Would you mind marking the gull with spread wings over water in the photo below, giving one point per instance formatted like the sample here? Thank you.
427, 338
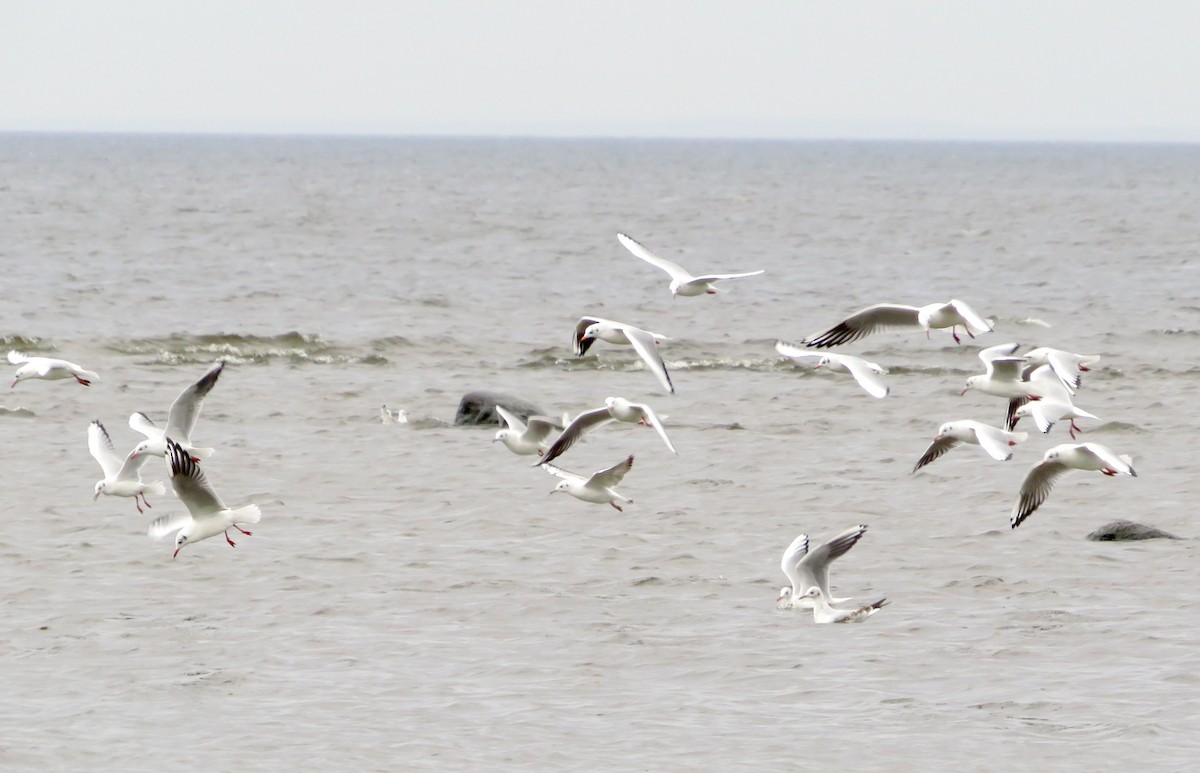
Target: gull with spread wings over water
1058, 461
881, 316
682, 282
645, 343
600, 487
615, 409
122, 477
48, 368
806, 569
180, 421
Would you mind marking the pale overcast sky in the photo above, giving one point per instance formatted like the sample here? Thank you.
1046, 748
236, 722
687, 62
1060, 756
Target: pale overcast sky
1008, 69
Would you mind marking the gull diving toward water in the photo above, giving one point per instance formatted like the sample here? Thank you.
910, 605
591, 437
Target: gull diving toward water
1062, 459
866, 321
615, 409
682, 282
588, 329
867, 374
122, 478
806, 569
180, 421
207, 515
48, 368
991, 439
600, 488
524, 438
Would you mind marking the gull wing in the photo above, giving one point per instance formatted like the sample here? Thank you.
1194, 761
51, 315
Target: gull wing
719, 277
971, 316
1035, 489
647, 349
1010, 418
132, 467
791, 557
652, 419
1111, 459
579, 426
140, 422
998, 351
511, 419
539, 428
561, 473
793, 350
867, 374
863, 323
676, 271
814, 567
1006, 368
186, 408
167, 524
190, 484
992, 440
937, 449
16, 358
613, 475
101, 447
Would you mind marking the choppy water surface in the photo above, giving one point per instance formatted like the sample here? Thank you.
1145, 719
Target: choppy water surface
413, 597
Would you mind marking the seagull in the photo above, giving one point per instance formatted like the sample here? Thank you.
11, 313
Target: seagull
823, 613
207, 515
180, 421
866, 321
48, 368
121, 478
1066, 365
615, 409
991, 439
388, 416
867, 374
1046, 413
682, 283
807, 570
599, 488
524, 438
588, 329
1061, 459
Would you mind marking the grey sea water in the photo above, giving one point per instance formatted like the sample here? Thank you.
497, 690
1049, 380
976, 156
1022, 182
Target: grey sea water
413, 598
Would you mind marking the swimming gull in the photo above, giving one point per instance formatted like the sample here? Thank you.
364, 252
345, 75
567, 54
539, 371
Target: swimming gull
805, 569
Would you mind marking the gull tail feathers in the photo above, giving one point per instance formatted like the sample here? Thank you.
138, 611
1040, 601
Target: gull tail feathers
156, 487
247, 514
203, 453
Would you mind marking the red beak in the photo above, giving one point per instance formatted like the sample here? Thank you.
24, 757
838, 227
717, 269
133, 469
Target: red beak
176, 553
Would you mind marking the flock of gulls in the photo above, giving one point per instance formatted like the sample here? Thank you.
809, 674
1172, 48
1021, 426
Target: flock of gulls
207, 515
1040, 384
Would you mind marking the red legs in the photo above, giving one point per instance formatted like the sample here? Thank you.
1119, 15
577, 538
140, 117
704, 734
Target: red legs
1074, 429
135, 502
144, 500
243, 531
82, 381
1109, 473
954, 332
616, 507
196, 459
231, 543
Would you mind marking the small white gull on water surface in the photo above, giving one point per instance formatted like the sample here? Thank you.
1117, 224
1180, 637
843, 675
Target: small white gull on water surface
824, 613
682, 282
868, 375
993, 440
881, 316
207, 515
600, 487
615, 409
645, 343
181, 420
805, 569
122, 477
1062, 459
524, 438
48, 368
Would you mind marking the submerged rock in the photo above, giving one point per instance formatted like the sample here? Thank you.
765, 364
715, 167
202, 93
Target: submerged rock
1124, 531
479, 407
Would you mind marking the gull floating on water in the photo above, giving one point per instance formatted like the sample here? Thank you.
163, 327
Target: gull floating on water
388, 416
588, 329
866, 321
48, 368
524, 438
823, 613
1062, 459
867, 374
207, 515
993, 440
122, 478
682, 282
615, 409
600, 487
806, 569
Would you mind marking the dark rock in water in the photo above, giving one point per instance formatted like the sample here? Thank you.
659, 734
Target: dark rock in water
479, 407
1124, 531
